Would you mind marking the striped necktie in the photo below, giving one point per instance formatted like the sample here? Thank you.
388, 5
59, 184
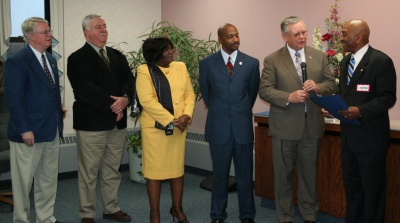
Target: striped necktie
298, 65
350, 69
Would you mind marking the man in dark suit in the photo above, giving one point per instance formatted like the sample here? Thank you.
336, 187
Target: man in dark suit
296, 123
36, 122
103, 83
369, 93
229, 81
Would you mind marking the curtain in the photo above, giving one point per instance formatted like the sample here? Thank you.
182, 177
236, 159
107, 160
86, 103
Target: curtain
5, 26
57, 25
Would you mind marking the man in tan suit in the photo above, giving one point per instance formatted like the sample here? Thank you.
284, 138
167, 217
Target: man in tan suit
296, 123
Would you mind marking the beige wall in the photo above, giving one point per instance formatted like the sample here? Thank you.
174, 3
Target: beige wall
258, 24
126, 21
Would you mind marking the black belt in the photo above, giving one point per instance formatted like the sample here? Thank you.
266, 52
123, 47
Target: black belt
305, 114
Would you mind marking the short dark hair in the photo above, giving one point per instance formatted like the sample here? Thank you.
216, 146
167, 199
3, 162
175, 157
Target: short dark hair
153, 48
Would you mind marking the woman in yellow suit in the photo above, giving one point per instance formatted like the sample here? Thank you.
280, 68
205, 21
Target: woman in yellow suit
167, 97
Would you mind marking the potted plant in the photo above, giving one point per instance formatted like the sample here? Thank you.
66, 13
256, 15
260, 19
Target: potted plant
188, 50
135, 156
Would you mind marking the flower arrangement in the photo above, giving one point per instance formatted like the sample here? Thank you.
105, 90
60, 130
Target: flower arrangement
330, 42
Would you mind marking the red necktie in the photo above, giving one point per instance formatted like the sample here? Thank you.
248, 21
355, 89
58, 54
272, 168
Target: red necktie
229, 65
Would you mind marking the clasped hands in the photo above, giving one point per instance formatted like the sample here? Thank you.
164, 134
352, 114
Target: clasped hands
351, 113
181, 122
118, 106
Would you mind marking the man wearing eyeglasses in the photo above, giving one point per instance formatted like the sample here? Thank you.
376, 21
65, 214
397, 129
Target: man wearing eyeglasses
36, 122
296, 123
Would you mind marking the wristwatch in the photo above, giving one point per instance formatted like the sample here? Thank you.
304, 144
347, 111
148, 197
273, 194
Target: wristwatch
127, 99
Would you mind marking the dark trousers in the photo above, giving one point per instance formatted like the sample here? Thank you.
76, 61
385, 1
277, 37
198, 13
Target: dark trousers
364, 177
221, 156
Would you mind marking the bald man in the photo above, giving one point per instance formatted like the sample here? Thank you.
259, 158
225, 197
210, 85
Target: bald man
369, 92
229, 82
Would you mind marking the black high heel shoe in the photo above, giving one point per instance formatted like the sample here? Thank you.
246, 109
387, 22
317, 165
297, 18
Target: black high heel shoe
173, 217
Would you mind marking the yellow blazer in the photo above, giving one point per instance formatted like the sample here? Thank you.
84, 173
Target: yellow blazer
183, 96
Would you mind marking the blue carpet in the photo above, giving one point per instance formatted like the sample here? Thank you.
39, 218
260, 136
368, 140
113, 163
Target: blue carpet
133, 200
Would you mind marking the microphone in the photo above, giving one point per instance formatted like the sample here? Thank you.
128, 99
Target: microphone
303, 66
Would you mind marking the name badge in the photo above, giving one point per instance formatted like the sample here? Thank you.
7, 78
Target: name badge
363, 87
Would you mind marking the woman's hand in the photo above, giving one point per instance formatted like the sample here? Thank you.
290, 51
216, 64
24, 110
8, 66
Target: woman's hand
182, 122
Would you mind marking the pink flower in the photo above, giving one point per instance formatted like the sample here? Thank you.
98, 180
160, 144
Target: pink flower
330, 53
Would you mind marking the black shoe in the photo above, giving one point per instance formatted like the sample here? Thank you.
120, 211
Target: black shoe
217, 221
247, 220
173, 218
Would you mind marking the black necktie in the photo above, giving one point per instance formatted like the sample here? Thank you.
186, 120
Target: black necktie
47, 71
104, 58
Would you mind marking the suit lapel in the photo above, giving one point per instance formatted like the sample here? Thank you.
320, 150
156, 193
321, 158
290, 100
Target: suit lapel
96, 57
112, 58
53, 65
288, 61
220, 63
238, 64
38, 69
361, 67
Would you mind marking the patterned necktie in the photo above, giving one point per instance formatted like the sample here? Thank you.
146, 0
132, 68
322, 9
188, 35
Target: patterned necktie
103, 57
298, 65
298, 68
47, 71
229, 66
350, 69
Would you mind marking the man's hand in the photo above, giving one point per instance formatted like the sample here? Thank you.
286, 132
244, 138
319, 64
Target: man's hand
310, 85
298, 96
119, 105
326, 113
120, 115
28, 138
351, 113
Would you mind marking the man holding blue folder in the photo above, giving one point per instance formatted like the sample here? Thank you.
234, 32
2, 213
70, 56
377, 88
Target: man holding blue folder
368, 86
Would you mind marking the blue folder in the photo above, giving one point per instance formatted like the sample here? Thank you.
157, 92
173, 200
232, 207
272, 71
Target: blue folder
333, 104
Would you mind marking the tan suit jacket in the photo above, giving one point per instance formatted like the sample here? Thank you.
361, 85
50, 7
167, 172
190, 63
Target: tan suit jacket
279, 78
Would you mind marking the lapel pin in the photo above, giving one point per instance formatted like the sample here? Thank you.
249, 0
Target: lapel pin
310, 57
240, 63
362, 70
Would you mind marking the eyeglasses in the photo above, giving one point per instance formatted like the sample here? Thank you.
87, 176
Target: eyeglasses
45, 32
297, 35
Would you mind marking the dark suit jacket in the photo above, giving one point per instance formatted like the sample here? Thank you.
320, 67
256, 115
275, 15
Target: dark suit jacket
93, 84
377, 71
33, 103
229, 99
279, 79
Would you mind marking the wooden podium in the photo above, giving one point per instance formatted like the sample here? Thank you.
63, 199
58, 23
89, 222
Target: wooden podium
329, 171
